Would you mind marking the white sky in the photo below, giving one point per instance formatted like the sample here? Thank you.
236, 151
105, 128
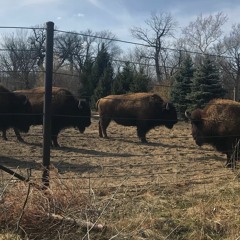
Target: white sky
118, 16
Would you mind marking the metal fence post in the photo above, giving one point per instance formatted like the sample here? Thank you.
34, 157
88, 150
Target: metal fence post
47, 103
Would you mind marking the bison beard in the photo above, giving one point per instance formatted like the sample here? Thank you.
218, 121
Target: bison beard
13, 111
217, 125
66, 111
143, 110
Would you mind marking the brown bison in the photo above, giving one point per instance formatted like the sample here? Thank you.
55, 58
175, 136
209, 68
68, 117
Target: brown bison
67, 111
217, 125
143, 110
14, 110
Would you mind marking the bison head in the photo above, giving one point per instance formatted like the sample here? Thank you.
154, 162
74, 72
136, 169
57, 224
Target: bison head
197, 126
23, 110
169, 115
85, 113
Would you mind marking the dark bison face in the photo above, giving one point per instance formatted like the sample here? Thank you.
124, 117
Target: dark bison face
197, 126
23, 111
169, 115
85, 113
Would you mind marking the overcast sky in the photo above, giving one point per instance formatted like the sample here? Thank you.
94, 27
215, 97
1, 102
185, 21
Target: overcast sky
118, 16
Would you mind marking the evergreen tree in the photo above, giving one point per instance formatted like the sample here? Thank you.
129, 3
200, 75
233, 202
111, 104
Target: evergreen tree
206, 84
86, 79
105, 83
102, 75
182, 86
130, 80
123, 80
140, 82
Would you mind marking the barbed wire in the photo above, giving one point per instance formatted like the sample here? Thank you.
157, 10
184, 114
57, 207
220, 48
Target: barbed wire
112, 39
27, 28
141, 44
134, 175
121, 41
164, 183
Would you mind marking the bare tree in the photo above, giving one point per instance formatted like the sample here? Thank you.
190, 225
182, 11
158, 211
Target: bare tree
109, 40
159, 28
68, 48
73, 49
18, 60
230, 48
37, 40
202, 34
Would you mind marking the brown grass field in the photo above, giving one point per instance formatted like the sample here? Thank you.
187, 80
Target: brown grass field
166, 189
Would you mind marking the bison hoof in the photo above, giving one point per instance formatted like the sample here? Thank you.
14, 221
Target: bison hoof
20, 139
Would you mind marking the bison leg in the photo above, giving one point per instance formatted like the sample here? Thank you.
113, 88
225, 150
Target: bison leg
4, 135
55, 141
17, 133
141, 132
103, 124
100, 129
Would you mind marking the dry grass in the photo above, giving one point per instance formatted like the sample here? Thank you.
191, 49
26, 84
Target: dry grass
127, 213
26, 209
168, 189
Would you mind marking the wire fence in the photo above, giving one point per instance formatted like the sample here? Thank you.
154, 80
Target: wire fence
171, 158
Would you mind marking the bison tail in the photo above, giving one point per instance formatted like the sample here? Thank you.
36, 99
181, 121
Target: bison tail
97, 103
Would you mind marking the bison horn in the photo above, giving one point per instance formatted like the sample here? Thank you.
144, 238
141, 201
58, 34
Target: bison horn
188, 115
26, 101
167, 106
79, 104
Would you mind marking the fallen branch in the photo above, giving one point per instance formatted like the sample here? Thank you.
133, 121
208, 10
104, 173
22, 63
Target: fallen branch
77, 222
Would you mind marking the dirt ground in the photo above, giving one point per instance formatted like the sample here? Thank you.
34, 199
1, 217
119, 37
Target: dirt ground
169, 157
170, 163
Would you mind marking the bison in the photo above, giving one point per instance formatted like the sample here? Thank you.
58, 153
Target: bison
14, 109
143, 110
217, 125
66, 111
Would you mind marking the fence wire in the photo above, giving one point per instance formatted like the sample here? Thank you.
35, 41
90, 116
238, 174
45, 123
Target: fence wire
90, 163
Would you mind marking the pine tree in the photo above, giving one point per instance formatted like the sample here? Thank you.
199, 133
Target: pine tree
206, 84
102, 75
123, 80
87, 85
182, 86
105, 83
130, 80
140, 82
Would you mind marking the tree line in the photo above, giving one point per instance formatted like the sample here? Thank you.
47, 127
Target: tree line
198, 64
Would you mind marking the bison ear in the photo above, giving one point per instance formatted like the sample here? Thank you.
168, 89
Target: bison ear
82, 102
166, 106
195, 116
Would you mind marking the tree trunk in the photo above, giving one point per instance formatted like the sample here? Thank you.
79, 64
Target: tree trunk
157, 67
237, 86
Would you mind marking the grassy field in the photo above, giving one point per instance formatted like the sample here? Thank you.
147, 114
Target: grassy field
166, 189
